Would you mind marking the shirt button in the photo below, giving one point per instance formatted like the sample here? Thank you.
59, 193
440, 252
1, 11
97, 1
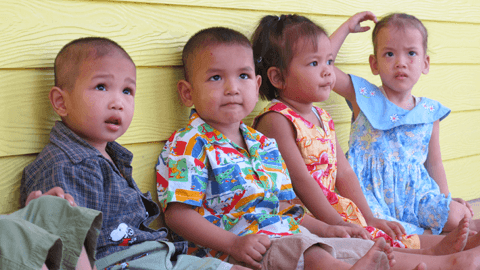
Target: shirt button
146, 214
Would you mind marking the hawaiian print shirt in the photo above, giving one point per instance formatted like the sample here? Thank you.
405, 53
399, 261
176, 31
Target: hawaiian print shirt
234, 188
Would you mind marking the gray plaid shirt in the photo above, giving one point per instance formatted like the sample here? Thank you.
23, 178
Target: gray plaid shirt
74, 165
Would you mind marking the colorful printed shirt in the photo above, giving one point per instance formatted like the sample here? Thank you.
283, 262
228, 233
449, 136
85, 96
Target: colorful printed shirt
234, 188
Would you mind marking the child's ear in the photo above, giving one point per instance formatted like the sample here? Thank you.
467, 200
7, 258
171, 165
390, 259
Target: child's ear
373, 64
184, 89
426, 68
259, 83
57, 99
275, 76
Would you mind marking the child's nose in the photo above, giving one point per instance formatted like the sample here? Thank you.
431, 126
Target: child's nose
326, 72
116, 103
231, 87
400, 62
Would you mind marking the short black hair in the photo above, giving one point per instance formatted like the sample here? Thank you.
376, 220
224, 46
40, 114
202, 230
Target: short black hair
71, 56
210, 37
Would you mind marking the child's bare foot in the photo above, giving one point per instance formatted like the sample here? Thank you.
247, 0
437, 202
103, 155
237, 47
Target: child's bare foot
421, 266
380, 256
454, 241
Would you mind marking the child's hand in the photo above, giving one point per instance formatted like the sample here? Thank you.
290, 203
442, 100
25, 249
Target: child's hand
393, 229
462, 201
56, 191
354, 21
346, 230
250, 249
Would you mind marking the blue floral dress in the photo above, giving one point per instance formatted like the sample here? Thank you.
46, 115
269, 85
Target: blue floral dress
388, 147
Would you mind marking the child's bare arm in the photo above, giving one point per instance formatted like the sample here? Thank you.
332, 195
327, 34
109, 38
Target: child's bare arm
348, 186
275, 125
185, 221
352, 25
343, 85
434, 165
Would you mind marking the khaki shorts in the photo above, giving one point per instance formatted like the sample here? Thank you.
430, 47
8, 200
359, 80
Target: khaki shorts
286, 252
48, 230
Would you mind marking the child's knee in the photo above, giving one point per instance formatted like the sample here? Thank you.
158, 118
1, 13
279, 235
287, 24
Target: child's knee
458, 211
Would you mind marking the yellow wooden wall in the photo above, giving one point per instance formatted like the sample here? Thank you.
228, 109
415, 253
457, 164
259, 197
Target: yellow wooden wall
153, 33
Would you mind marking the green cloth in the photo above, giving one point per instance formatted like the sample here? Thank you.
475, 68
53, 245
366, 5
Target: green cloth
48, 230
152, 255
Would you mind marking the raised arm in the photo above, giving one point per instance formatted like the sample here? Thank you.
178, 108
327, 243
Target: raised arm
189, 224
343, 85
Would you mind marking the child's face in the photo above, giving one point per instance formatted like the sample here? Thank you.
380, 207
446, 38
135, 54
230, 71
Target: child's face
400, 59
310, 76
100, 106
223, 86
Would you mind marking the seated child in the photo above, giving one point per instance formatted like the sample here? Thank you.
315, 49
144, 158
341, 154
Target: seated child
95, 87
306, 134
221, 182
394, 144
49, 233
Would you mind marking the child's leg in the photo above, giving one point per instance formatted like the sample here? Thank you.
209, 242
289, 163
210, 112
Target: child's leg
378, 257
465, 260
473, 241
457, 212
83, 261
453, 242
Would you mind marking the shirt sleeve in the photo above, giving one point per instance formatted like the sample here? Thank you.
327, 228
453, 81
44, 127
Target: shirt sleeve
277, 169
82, 181
182, 175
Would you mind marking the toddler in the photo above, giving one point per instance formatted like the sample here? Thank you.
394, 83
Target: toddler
394, 144
94, 92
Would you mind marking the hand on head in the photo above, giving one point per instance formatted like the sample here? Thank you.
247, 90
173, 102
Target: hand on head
354, 21
56, 191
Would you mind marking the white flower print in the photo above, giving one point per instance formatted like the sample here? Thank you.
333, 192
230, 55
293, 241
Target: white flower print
363, 91
372, 94
394, 118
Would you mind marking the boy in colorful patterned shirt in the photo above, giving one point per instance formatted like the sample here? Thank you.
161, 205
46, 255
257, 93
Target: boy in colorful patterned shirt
221, 183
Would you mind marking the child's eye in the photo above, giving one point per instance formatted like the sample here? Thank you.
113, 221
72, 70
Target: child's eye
412, 53
330, 62
100, 87
215, 78
314, 64
244, 76
389, 54
127, 91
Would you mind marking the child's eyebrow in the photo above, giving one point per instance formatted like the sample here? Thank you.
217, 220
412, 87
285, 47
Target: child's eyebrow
247, 68
130, 80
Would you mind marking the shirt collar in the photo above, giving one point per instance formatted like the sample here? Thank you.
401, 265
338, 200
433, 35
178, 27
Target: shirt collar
78, 149
253, 138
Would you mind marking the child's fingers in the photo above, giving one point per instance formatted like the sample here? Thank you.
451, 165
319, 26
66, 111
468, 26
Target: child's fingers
56, 191
32, 196
265, 241
70, 199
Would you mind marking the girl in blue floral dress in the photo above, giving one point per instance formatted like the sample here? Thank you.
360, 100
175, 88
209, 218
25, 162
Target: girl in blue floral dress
394, 142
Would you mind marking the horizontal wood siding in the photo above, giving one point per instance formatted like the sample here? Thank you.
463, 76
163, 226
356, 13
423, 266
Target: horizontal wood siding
154, 31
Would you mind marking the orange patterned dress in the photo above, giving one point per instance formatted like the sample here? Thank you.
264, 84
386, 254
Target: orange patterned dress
318, 148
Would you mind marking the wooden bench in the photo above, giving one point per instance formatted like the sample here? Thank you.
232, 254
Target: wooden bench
154, 31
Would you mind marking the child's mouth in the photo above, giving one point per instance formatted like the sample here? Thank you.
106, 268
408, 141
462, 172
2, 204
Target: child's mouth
113, 121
